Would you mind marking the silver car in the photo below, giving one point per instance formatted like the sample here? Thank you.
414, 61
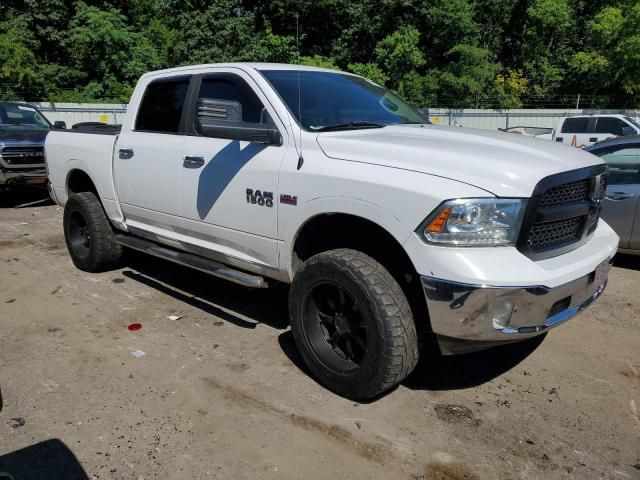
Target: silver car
620, 208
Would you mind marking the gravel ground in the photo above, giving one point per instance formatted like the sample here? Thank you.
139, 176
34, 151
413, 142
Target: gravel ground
221, 392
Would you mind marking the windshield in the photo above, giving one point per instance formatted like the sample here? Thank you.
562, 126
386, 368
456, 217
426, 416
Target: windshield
21, 117
632, 122
337, 101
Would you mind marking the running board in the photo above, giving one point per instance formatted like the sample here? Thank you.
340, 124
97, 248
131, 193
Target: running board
193, 261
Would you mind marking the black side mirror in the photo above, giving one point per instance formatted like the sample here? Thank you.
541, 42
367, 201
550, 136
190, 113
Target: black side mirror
628, 131
60, 125
223, 119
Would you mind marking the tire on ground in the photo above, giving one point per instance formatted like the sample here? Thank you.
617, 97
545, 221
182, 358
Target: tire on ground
103, 252
392, 350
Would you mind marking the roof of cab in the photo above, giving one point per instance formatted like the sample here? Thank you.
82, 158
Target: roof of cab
243, 65
595, 115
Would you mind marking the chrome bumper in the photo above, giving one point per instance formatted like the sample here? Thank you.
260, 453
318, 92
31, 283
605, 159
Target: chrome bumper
472, 317
13, 177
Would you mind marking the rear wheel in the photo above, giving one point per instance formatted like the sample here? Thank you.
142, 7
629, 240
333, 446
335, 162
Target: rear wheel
88, 233
352, 324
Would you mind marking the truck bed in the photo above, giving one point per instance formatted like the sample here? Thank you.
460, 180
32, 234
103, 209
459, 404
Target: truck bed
87, 151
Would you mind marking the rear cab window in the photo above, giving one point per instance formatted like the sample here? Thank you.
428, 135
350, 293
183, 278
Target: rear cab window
576, 125
162, 105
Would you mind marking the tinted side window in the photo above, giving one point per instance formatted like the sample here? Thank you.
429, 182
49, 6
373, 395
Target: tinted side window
230, 89
623, 164
575, 125
610, 125
162, 105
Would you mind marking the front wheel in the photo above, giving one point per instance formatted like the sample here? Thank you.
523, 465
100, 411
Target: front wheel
352, 324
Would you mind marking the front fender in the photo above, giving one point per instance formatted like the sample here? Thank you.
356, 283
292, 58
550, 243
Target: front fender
338, 205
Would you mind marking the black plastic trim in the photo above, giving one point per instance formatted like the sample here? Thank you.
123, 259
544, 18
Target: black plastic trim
534, 215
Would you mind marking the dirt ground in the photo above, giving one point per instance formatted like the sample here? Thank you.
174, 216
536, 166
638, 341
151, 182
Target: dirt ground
221, 392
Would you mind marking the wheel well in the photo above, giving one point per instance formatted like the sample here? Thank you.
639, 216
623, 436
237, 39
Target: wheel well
78, 181
331, 231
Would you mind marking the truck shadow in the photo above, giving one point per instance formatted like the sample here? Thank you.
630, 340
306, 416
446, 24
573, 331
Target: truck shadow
436, 372
631, 262
25, 196
42, 461
246, 308
455, 372
241, 306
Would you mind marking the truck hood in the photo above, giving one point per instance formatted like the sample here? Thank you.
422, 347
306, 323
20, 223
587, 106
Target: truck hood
504, 164
12, 137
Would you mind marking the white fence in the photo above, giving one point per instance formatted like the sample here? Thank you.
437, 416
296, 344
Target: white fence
73, 113
495, 119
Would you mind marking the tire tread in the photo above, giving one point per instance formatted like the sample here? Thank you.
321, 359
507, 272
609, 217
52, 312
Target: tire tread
393, 314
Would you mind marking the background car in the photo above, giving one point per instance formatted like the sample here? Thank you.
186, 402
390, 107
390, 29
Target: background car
620, 206
23, 129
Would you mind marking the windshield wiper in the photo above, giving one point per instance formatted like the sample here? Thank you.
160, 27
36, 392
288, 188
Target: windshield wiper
348, 126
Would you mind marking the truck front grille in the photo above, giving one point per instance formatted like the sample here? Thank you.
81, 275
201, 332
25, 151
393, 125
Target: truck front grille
567, 194
19, 156
563, 212
543, 235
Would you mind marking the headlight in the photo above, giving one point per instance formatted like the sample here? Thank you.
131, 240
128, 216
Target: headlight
474, 222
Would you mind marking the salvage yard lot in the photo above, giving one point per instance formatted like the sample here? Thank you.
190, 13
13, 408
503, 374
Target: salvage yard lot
221, 392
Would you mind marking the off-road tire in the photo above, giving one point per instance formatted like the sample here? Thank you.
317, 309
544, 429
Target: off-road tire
392, 353
103, 252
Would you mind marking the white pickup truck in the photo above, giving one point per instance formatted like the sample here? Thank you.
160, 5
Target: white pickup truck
584, 130
388, 229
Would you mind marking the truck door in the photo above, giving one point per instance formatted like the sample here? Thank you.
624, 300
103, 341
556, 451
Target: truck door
229, 188
147, 161
607, 127
623, 191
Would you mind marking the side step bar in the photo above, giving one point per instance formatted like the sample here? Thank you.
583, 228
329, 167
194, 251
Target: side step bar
194, 261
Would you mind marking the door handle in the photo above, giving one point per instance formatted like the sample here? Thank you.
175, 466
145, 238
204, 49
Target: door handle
593, 139
618, 196
193, 161
125, 153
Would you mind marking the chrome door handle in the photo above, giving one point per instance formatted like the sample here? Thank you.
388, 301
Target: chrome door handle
618, 196
125, 153
193, 161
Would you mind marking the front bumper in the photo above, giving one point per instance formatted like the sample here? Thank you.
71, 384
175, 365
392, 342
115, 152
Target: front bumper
36, 176
472, 317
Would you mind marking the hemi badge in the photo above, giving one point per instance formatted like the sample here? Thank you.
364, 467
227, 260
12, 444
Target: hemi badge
289, 200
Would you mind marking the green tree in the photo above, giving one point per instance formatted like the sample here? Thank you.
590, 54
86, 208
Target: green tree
369, 70
21, 74
399, 53
110, 53
434, 52
319, 61
611, 60
470, 76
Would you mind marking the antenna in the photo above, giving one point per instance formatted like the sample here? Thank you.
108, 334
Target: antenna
300, 158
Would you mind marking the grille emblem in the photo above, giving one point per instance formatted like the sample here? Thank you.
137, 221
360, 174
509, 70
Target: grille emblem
596, 191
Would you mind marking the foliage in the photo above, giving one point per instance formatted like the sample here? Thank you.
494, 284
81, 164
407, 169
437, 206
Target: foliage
20, 70
319, 61
452, 53
369, 70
